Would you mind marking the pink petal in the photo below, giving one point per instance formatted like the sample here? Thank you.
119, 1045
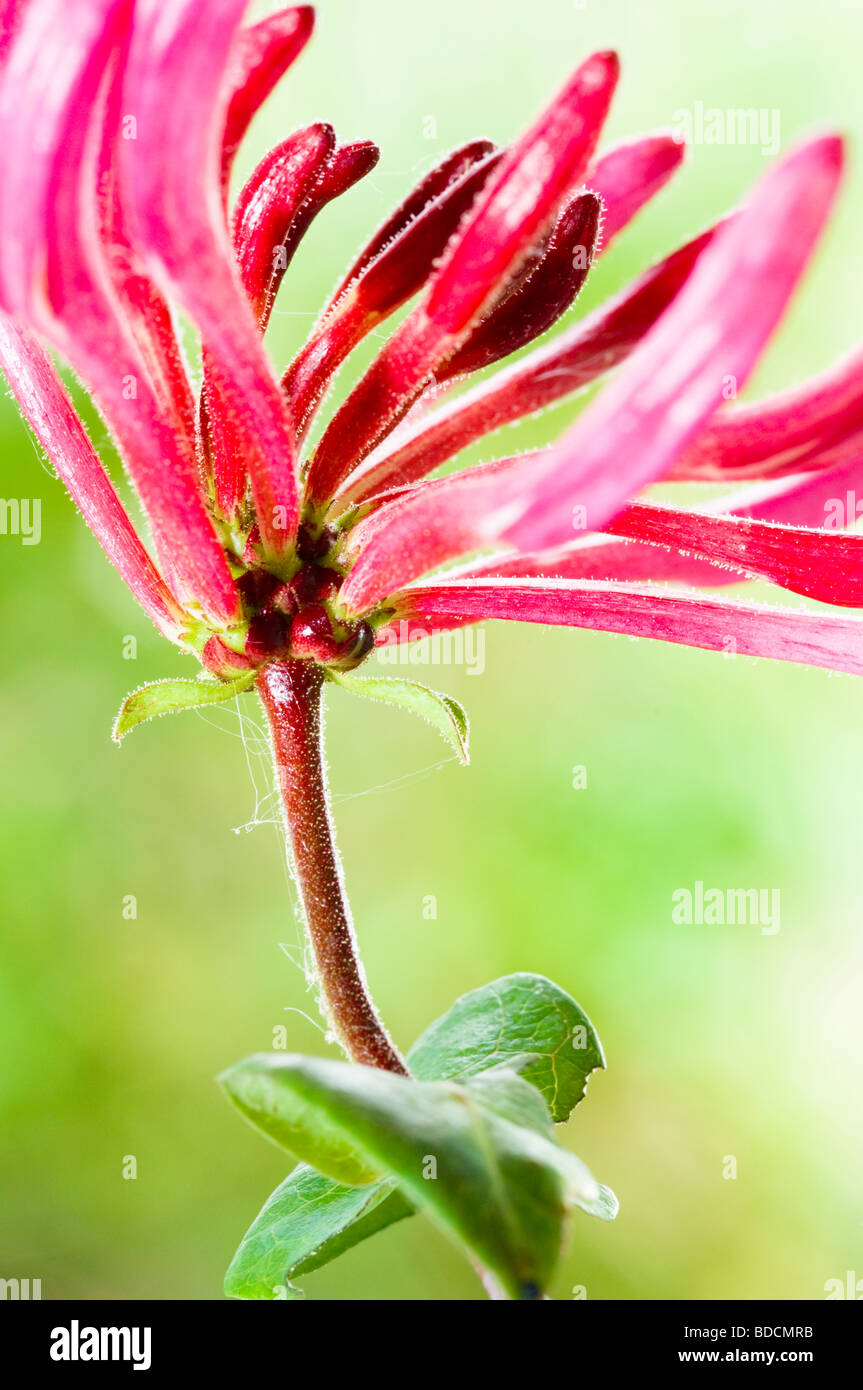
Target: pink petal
261, 55
537, 298
48, 69
629, 175
770, 436
46, 406
387, 281
412, 535
267, 206
145, 310
514, 210
270, 225
831, 497
626, 178
528, 188
345, 166
265, 213
603, 557
11, 14
174, 85
825, 565
420, 528
53, 274
715, 330
812, 639
565, 366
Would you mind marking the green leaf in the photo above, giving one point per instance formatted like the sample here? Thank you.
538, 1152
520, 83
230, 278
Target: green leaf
171, 696
485, 1030
257, 1088
308, 1221
499, 1187
441, 711
498, 1022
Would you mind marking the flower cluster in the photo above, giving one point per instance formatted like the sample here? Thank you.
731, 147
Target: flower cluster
119, 124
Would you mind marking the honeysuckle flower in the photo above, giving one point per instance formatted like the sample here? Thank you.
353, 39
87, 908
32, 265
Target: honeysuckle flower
280, 562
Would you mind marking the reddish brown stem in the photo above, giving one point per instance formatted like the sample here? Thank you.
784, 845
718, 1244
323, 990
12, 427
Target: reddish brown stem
291, 692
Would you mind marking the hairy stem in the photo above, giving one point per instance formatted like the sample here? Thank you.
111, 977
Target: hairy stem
291, 692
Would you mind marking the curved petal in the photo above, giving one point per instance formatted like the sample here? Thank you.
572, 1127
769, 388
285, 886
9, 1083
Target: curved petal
260, 57
56, 89
174, 86
387, 280
757, 532
784, 634
145, 310
264, 216
515, 209
422, 527
781, 433
567, 365
625, 177
714, 330
266, 209
825, 565
344, 167
535, 302
448, 170
274, 211
603, 557
628, 175
830, 498
46, 406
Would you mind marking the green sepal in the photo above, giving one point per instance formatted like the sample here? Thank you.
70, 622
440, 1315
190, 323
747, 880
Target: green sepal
171, 696
441, 711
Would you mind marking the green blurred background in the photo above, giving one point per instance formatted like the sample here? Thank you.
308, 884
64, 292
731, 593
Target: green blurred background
720, 1041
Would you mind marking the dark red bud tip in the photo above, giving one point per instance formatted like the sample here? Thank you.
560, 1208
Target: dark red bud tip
267, 636
313, 547
222, 661
256, 588
363, 643
313, 584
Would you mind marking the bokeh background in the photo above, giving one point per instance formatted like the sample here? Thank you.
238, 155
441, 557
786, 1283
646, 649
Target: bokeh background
720, 1041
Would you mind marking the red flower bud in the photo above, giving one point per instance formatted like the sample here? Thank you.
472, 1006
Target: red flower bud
313, 584
268, 635
218, 657
314, 547
257, 588
313, 637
